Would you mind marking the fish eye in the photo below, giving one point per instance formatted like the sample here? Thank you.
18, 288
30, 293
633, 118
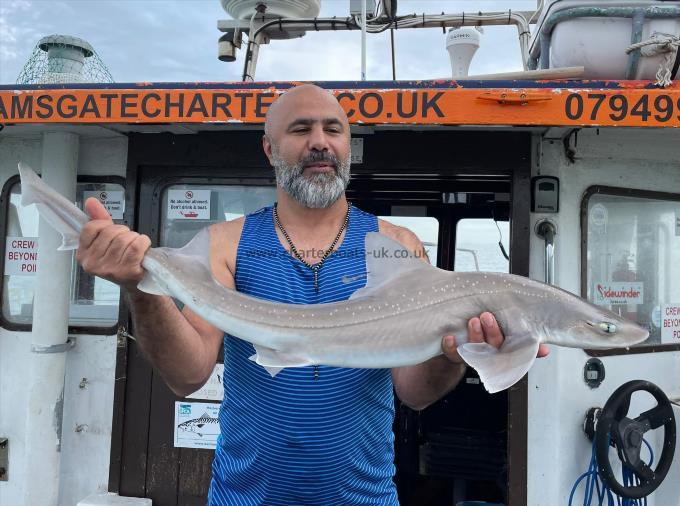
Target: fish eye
607, 327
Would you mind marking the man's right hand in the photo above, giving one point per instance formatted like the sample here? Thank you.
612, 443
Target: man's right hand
111, 251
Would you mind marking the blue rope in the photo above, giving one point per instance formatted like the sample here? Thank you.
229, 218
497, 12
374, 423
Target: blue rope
601, 491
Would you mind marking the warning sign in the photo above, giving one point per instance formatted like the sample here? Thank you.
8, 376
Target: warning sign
357, 150
618, 293
212, 390
189, 204
113, 201
21, 256
670, 323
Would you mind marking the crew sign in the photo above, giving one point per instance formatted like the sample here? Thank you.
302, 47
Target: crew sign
21, 256
670, 323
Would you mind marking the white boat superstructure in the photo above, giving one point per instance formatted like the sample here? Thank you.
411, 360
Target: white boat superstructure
575, 182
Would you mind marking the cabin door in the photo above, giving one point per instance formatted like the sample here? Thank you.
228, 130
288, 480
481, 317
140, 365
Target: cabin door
181, 185
469, 446
448, 186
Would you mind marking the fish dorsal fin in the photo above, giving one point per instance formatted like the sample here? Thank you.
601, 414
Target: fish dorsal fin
386, 260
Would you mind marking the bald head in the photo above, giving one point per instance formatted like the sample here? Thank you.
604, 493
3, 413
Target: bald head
307, 141
298, 103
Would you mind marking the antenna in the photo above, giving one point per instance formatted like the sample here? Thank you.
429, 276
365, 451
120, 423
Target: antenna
462, 44
60, 59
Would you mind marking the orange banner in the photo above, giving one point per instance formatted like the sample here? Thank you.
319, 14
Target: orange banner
633, 107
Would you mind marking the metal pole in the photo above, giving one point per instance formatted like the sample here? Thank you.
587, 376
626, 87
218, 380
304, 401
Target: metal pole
49, 337
394, 67
363, 40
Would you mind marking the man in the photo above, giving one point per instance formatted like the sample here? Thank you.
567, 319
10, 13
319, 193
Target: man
311, 435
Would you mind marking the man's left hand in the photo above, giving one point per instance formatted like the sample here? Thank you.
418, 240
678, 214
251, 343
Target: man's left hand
480, 330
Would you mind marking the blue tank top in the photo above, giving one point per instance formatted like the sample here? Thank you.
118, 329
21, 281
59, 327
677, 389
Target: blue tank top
308, 436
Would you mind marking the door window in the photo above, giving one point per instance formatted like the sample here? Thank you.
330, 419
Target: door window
477, 247
632, 259
94, 301
188, 208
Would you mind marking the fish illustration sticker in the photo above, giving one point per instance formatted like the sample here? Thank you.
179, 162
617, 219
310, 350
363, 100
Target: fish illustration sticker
188, 205
197, 424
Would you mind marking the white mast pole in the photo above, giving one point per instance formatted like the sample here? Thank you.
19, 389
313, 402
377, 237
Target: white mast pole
363, 40
49, 337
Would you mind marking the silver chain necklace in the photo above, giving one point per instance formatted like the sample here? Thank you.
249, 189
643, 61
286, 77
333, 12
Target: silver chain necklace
317, 266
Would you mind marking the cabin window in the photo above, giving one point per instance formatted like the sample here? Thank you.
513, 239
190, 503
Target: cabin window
632, 258
425, 227
94, 301
477, 247
187, 208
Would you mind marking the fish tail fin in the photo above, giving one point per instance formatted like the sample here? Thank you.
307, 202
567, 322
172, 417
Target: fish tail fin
56, 209
29, 182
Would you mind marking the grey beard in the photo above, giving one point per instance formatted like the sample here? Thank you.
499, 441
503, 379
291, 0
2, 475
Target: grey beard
317, 191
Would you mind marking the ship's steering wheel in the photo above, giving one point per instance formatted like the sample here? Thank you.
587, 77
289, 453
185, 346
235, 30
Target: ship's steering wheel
625, 434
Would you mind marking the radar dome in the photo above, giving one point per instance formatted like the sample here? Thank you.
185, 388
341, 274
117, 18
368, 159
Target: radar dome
462, 44
244, 9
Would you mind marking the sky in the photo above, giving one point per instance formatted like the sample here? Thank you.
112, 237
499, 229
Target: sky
176, 41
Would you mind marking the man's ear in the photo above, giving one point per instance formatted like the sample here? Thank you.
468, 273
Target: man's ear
267, 147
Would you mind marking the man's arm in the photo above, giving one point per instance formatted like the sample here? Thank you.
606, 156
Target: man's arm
179, 344
420, 385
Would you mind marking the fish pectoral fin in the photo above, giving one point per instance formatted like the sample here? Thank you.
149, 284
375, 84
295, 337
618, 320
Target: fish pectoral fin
500, 368
275, 361
149, 285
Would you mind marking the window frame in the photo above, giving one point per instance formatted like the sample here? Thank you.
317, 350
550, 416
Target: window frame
617, 192
4, 204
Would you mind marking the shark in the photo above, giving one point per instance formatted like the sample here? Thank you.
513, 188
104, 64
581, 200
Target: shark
397, 319
203, 425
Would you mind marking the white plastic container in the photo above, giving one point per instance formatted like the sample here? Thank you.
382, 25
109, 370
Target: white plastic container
599, 43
